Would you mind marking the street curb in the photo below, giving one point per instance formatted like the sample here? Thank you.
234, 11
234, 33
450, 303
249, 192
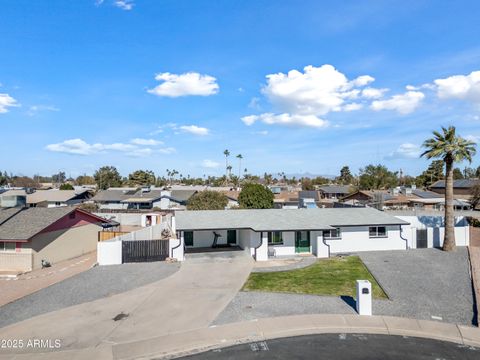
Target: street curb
214, 337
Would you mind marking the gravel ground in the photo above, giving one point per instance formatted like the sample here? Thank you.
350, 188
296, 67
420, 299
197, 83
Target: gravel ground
249, 305
93, 284
420, 283
423, 283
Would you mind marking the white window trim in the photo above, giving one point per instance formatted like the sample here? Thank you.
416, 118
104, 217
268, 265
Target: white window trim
3, 248
278, 243
333, 237
377, 236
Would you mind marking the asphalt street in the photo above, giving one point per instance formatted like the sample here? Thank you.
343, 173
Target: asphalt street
344, 347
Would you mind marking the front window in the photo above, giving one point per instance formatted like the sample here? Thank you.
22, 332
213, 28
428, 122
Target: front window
332, 234
377, 231
7, 246
275, 238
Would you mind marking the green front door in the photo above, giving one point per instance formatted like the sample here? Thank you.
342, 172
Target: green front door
302, 241
232, 237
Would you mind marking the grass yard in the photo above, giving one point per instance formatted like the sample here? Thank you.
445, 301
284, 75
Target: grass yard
334, 276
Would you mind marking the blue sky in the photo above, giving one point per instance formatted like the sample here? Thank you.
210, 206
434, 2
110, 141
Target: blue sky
293, 86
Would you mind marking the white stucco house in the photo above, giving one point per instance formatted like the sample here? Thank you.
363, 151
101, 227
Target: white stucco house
277, 232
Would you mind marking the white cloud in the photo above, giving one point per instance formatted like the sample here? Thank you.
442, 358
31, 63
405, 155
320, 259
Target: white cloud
373, 93
7, 101
402, 103
303, 98
286, 119
352, 107
210, 164
81, 147
195, 130
363, 80
316, 91
124, 4
463, 87
34, 109
186, 84
406, 151
147, 142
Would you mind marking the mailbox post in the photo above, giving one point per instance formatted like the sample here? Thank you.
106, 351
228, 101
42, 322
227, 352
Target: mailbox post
364, 297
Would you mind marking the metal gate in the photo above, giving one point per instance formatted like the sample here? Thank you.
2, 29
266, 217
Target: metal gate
144, 250
422, 239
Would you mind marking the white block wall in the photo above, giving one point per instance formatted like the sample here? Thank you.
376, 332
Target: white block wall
435, 230
109, 252
176, 250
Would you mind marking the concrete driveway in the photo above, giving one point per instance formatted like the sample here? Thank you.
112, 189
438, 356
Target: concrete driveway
189, 299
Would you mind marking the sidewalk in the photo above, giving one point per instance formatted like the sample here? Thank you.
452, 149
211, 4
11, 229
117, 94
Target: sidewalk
12, 289
199, 340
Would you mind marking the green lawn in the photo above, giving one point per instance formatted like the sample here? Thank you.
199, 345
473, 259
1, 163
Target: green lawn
334, 276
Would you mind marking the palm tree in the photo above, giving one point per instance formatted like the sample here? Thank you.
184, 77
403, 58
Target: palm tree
239, 157
451, 149
227, 154
229, 169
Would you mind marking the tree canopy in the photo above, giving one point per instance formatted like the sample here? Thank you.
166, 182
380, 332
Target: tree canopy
374, 177
66, 186
346, 177
255, 196
141, 178
207, 200
107, 176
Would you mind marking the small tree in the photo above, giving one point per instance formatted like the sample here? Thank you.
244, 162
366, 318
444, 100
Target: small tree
345, 177
207, 200
66, 186
255, 196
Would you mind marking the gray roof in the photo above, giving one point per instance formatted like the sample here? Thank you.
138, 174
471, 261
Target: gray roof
282, 219
308, 194
114, 195
129, 195
463, 183
335, 189
23, 223
182, 195
425, 194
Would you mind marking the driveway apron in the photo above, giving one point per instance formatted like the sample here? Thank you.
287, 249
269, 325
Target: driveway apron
189, 299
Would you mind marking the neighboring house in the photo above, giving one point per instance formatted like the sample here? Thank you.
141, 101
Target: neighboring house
57, 198
334, 191
47, 198
461, 188
273, 232
142, 199
286, 200
397, 198
30, 235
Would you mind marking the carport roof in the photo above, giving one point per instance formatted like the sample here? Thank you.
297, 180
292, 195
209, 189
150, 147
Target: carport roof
282, 219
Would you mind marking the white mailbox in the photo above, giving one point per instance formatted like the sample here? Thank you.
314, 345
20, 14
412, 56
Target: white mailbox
364, 297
